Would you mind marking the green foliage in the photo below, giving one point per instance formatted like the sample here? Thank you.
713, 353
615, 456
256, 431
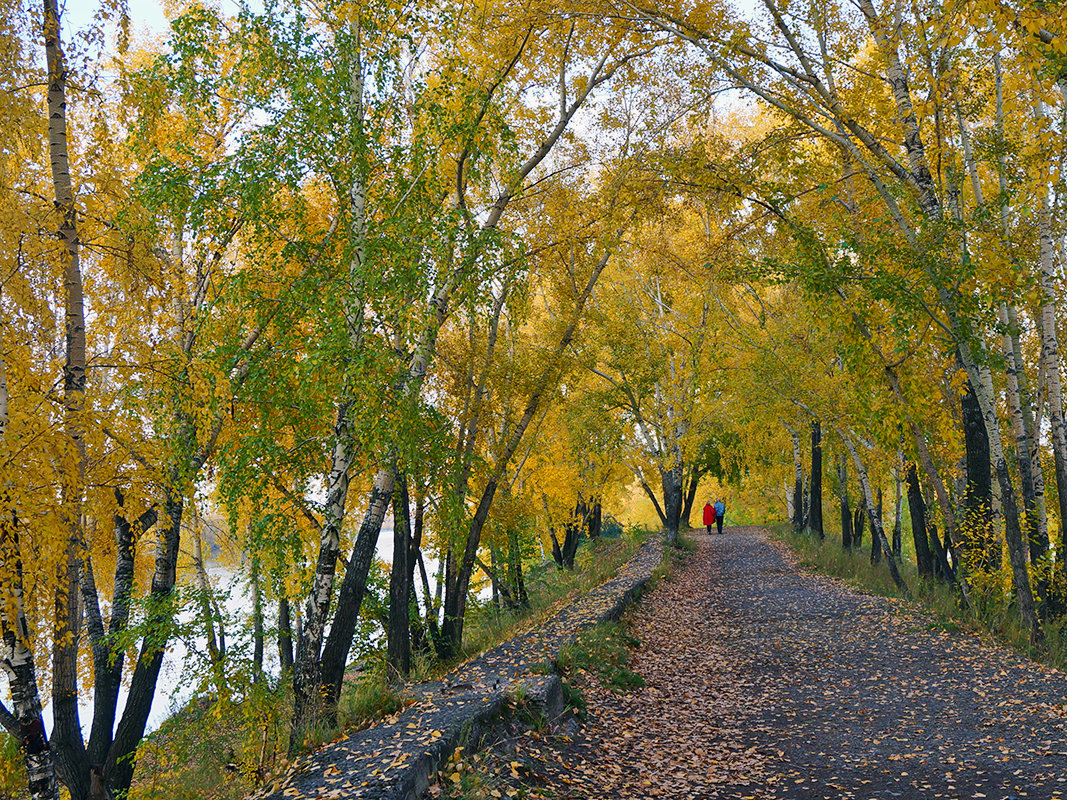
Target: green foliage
12, 768
611, 528
603, 651
368, 698
548, 586
573, 699
529, 713
215, 748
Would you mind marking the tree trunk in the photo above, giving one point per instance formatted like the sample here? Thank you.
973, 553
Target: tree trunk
798, 483
203, 599
815, 510
120, 762
876, 543
846, 513
578, 523
307, 676
16, 658
897, 514
917, 510
596, 519
431, 602
67, 742
257, 621
515, 570
285, 635
978, 495
1053, 379
944, 501
858, 520
108, 655
655, 500
417, 632
690, 497
398, 650
1031, 426
557, 550
672, 500
308, 668
874, 514
353, 588
1033, 506
941, 551
1012, 530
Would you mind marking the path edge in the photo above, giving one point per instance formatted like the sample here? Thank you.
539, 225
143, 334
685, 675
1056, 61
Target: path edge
479, 713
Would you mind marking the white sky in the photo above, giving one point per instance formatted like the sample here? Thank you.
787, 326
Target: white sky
146, 16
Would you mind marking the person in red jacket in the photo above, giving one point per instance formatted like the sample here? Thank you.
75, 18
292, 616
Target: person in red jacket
709, 515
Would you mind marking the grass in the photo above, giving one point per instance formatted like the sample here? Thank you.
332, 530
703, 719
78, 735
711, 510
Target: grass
991, 613
216, 748
603, 651
674, 558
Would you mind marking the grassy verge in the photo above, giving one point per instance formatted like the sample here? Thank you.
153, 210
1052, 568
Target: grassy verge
602, 651
991, 613
549, 589
674, 558
525, 761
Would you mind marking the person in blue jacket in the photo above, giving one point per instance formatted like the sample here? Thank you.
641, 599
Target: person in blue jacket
720, 513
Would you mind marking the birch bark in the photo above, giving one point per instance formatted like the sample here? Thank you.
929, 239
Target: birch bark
307, 667
67, 742
23, 720
1050, 356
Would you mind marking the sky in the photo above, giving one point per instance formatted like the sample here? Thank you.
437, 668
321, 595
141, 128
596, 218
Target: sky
146, 16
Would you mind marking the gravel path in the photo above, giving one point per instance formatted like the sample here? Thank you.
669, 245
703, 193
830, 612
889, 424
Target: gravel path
767, 682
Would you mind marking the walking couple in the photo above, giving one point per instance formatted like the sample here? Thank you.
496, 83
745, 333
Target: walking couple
713, 514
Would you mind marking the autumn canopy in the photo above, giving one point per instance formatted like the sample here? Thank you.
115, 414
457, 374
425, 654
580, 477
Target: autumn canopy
291, 285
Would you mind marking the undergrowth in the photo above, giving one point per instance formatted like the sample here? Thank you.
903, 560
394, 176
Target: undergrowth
674, 558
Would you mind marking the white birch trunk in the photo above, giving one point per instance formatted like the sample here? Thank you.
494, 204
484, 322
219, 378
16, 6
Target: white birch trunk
1036, 521
16, 657
1051, 363
307, 667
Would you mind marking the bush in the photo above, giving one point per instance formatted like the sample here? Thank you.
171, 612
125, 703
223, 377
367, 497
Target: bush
611, 528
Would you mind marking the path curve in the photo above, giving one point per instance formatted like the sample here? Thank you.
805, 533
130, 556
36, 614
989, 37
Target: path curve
768, 682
